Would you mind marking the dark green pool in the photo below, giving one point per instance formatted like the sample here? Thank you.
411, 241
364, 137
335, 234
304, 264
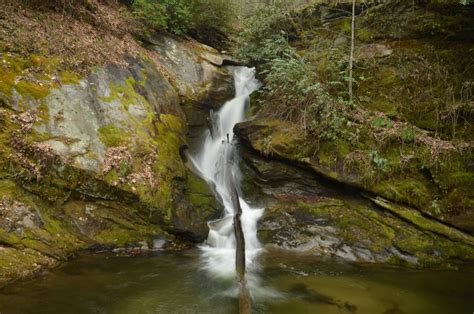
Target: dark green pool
291, 283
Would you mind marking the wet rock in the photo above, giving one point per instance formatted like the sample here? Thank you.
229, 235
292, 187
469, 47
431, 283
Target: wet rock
429, 189
190, 217
81, 115
326, 220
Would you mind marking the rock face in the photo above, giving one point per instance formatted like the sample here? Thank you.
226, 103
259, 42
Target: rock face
96, 161
435, 189
192, 67
307, 211
201, 79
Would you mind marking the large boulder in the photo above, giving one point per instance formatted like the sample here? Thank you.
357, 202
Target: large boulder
200, 76
95, 161
308, 214
197, 70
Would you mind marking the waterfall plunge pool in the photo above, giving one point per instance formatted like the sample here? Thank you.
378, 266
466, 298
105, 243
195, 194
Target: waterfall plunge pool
172, 283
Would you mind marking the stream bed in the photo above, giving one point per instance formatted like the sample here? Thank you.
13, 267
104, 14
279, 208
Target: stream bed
162, 282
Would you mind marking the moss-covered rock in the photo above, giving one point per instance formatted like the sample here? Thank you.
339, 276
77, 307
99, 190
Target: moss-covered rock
407, 133
413, 176
196, 70
305, 213
94, 161
198, 206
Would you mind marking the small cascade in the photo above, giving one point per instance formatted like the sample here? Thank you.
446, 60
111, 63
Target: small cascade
217, 161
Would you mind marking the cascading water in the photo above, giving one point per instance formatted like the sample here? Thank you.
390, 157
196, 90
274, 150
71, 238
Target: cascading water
217, 163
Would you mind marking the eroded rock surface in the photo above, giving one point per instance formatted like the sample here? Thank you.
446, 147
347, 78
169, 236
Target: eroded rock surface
307, 213
95, 161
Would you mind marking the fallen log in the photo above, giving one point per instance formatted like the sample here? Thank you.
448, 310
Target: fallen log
245, 304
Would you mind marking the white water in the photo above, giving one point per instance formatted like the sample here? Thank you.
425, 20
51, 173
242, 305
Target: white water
217, 160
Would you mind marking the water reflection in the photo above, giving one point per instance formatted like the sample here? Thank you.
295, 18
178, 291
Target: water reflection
172, 283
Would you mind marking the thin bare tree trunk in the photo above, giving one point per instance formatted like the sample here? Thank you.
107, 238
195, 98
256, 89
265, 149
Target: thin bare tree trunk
245, 304
352, 50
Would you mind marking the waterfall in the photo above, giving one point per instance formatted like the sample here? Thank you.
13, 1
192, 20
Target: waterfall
216, 160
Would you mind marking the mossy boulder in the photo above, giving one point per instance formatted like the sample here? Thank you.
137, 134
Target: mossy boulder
414, 177
195, 210
359, 232
196, 70
94, 160
305, 212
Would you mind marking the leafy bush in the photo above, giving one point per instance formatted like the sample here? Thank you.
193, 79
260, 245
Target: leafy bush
172, 15
217, 14
181, 16
150, 13
263, 30
292, 90
379, 162
213, 22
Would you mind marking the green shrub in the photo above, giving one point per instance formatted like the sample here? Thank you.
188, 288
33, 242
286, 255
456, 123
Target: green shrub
181, 16
291, 90
266, 29
151, 14
215, 14
407, 135
380, 162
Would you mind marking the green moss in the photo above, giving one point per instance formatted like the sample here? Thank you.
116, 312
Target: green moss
42, 112
113, 136
387, 76
116, 236
383, 105
21, 263
37, 60
112, 176
346, 26
7, 81
405, 190
35, 90
326, 155
125, 93
199, 194
8, 188
416, 218
364, 34
463, 178
9, 238
343, 147
172, 123
285, 139
68, 77
380, 122
61, 234
407, 135
124, 234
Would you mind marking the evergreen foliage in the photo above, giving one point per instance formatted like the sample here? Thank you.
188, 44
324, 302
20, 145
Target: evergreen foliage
292, 90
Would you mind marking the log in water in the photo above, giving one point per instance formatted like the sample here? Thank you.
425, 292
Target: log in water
245, 304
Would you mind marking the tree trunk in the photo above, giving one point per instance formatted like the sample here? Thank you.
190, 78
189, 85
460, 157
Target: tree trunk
245, 305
